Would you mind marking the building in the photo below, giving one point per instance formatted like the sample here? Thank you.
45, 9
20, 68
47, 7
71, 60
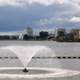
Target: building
76, 33
61, 32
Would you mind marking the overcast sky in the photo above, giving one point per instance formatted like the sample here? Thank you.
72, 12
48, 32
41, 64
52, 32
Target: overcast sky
46, 14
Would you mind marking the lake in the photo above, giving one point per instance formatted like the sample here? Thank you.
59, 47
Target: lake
61, 50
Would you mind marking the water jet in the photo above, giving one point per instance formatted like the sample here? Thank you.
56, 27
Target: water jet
25, 53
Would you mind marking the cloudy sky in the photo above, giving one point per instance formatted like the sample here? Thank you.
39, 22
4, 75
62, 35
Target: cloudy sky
18, 14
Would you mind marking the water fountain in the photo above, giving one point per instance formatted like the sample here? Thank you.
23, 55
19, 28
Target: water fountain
25, 54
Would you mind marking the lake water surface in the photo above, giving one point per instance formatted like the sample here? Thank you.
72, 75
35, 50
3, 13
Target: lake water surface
60, 49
